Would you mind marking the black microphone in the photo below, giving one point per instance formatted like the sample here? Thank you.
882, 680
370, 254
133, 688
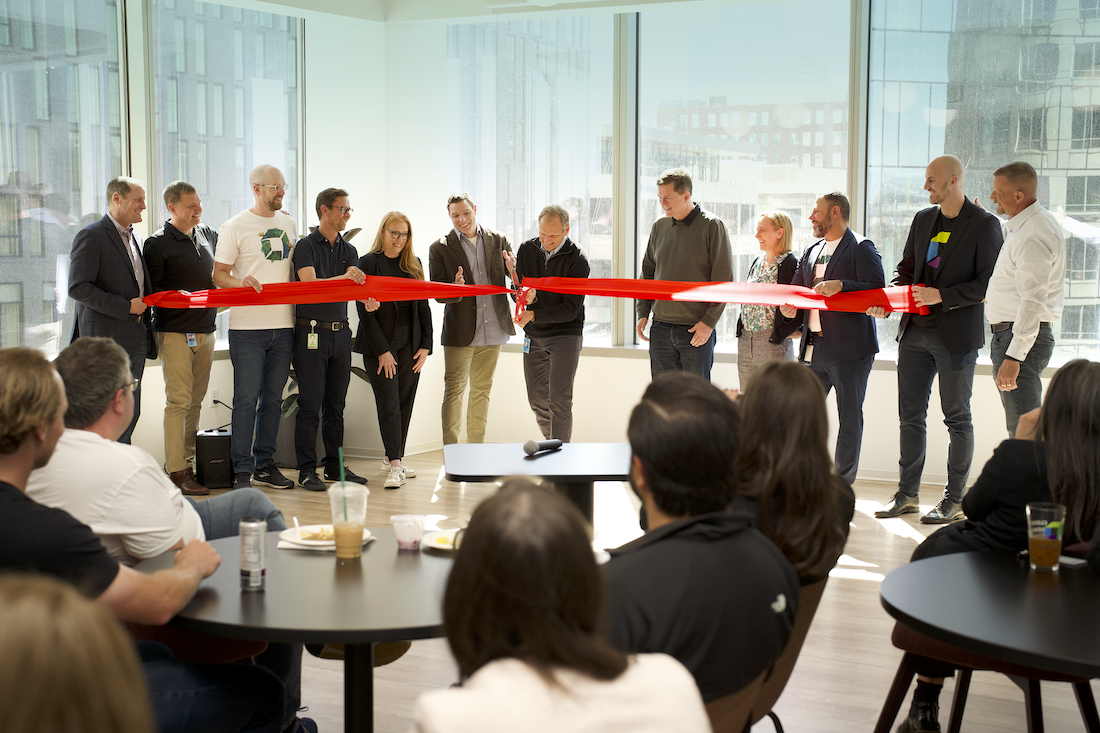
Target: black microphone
531, 447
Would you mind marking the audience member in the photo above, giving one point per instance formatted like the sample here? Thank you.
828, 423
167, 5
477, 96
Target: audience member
785, 471
703, 585
1054, 457
521, 611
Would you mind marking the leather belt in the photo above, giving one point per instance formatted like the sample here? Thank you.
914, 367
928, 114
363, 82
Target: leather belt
1007, 326
323, 325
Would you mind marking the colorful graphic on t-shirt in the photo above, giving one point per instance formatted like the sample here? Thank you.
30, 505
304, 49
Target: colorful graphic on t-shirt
933, 258
820, 264
274, 254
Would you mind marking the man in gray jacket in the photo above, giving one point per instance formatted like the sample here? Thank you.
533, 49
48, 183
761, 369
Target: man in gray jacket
691, 244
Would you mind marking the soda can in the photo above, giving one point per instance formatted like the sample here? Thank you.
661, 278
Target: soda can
253, 531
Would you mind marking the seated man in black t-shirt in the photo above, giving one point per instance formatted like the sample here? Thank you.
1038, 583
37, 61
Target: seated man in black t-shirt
703, 585
39, 539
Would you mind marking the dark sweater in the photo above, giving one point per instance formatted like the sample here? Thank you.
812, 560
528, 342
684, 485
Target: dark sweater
555, 315
177, 263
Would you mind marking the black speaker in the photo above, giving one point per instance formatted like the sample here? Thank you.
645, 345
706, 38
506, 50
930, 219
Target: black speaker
213, 468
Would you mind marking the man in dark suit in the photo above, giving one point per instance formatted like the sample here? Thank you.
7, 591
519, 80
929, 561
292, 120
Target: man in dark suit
949, 258
475, 327
108, 278
839, 347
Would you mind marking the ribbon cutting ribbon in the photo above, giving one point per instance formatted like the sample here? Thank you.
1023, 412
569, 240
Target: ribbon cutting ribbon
390, 289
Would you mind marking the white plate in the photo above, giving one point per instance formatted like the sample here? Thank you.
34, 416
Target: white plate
293, 535
444, 541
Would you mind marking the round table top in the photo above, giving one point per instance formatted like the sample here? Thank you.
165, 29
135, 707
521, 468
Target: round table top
311, 597
572, 463
993, 604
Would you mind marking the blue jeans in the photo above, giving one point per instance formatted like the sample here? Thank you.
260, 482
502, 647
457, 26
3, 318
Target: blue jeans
921, 356
261, 366
210, 698
670, 348
1029, 385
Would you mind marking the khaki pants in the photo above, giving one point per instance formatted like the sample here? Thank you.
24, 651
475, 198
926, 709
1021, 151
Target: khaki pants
462, 364
186, 376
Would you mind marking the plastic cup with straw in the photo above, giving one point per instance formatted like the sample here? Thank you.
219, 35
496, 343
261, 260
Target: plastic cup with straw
348, 514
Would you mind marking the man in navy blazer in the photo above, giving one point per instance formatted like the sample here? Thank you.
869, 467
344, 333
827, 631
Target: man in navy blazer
949, 257
108, 278
839, 347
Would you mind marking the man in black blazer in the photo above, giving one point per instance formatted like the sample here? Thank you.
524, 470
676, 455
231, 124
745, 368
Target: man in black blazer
839, 347
108, 278
949, 257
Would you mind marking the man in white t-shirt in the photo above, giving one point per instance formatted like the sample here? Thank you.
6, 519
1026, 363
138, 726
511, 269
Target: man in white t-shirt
254, 249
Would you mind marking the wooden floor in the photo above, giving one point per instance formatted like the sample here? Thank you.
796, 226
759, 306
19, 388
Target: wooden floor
843, 673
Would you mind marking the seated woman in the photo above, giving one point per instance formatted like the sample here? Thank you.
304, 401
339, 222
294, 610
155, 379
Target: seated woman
68, 664
395, 340
1054, 457
521, 611
787, 472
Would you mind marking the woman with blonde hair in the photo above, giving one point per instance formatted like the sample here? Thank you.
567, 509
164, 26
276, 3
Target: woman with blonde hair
395, 341
68, 664
763, 333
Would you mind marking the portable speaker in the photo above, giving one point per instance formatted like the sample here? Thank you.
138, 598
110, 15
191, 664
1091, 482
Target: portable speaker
213, 469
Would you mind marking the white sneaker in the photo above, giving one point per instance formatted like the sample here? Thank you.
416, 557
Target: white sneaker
396, 478
409, 473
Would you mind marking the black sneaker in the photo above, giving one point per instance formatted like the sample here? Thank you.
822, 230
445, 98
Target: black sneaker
944, 512
310, 482
242, 480
271, 476
924, 717
349, 476
899, 504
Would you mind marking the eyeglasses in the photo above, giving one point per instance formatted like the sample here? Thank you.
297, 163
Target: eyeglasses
343, 210
399, 236
132, 385
281, 188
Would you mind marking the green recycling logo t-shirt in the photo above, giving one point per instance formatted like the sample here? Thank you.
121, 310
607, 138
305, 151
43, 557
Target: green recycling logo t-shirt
259, 246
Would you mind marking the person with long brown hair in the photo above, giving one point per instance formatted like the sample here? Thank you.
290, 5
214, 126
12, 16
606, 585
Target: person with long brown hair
785, 469
522, 611
395, 341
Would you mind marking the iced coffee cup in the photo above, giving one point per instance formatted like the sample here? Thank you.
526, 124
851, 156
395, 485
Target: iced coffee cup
349, 516
1044, 535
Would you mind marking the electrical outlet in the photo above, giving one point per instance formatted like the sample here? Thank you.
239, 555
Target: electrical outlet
213, 396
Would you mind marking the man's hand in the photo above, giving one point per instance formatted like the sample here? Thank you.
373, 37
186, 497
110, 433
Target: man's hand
876, 311
828, 288
199, 555
137, 306
1029, 421
525, 318
979, 203
1007, 374
702, 334
530, 297
387, 363
250, 282
788, 310
371, 305
926, 296
356, 275
459, 280
419, 358
640, 328
509, 259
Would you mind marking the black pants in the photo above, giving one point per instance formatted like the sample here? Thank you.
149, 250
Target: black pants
323, 376
394, 397
849, 377
138, 353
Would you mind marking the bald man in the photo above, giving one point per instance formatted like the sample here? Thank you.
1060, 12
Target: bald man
949, 259
1025, 292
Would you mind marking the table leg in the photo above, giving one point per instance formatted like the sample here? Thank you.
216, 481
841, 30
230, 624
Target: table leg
358, 688
580, 494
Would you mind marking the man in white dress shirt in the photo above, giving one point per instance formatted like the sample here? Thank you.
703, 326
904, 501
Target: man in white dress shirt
1025, 292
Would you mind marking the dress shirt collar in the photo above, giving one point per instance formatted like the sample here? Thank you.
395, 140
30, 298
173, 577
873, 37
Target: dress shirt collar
123, 232
462, 236
1017, 222
686, 221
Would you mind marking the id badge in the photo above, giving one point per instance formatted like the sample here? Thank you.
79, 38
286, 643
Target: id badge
192, 340
311, 343
526, 344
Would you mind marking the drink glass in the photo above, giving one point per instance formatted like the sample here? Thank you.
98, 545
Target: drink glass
349, 516
409, 528
1044, 535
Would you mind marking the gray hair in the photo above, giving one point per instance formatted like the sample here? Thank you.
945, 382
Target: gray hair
94, 369
121, 186
176, 190
558, 211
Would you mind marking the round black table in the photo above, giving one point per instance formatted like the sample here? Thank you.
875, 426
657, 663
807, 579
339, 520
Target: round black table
311, 597
993, 604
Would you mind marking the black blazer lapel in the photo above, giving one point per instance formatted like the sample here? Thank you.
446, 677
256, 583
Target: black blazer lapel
123, 250
846, 241
460, 254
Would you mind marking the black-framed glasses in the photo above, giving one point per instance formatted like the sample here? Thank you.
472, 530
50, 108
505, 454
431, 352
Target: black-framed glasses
343, 210
281, 187
399, 236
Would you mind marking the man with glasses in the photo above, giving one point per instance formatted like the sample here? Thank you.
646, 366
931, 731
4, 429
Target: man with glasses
475, 327
253, 250
181, 257
108, 278
322, 342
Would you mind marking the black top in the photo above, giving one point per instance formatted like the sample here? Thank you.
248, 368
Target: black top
327, 260
378, 329
555, 314
176, 262
711, 591
40, 539
1094, 550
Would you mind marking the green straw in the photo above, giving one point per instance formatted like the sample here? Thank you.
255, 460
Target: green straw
343, 489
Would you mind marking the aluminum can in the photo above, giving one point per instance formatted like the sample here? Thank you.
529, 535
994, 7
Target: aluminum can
253, 531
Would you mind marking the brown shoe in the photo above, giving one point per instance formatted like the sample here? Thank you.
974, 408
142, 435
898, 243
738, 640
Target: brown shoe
187, 483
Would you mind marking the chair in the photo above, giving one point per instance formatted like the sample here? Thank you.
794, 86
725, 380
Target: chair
731, 713
915, 644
